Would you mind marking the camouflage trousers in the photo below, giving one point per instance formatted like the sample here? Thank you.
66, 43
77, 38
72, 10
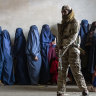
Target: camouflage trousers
72, 58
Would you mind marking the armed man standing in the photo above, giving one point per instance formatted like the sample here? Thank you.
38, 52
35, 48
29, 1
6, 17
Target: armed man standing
68, 43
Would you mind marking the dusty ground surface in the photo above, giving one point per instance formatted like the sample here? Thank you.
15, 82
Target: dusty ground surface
38, 91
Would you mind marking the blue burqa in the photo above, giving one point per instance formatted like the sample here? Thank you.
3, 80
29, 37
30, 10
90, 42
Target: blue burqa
33, 50
7, 73
92, 55
45, 40
1, 54
21, 70
84, 28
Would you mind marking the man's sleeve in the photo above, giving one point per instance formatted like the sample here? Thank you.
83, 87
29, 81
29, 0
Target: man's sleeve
72, 36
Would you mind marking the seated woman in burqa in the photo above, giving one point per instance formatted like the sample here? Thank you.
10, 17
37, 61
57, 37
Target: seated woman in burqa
45, 40
33, 54
20, 58
7, 73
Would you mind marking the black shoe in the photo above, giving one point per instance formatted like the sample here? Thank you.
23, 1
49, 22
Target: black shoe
85, 93
60, 94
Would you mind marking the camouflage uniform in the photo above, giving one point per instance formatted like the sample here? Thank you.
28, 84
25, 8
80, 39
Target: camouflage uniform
68, 38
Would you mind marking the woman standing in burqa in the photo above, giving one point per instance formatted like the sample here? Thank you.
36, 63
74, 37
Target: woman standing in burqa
45, 40
33, 54
21, 70
7, 73
84, 29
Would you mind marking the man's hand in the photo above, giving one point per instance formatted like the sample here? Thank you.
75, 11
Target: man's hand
82, 51
57, 49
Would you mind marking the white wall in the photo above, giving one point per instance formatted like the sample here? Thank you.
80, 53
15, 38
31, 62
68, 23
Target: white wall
24, 13
84, 9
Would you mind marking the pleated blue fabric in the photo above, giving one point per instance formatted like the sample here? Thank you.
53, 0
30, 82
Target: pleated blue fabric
84, 29
7, 73
45, 40
33, 50
21, 68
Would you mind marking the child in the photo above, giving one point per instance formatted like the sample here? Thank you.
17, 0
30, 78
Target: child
53, 60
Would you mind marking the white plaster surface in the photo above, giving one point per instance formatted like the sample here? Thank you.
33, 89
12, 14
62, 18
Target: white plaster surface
24, 13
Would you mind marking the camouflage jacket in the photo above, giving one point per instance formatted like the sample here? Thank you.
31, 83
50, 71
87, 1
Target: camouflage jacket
68, 34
